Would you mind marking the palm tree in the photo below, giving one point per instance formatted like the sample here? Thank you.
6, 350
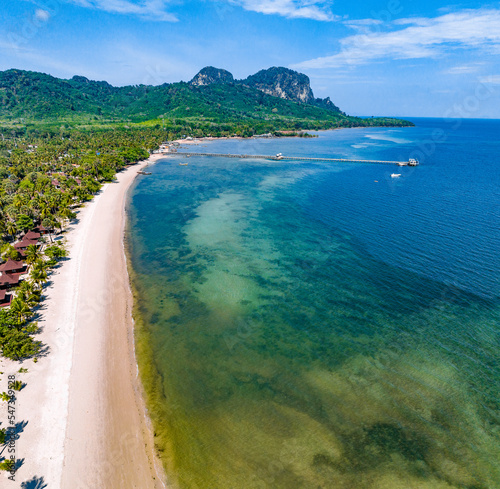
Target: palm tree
11, 228
49, 223
32, 254
39, 276
40, 264
30, 296
26, 287
20, 309
45, 212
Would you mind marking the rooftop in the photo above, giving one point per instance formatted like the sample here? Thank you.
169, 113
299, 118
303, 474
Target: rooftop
11, 265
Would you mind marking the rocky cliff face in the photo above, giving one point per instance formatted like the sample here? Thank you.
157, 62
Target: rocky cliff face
276, 81
210, 75
283, 83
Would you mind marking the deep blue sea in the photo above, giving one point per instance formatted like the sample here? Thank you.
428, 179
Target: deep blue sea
324, 325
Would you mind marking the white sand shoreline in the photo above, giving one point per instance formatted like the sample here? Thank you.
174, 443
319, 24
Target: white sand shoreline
83, 419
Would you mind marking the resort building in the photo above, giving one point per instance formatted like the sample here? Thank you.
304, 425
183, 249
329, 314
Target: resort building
42, 230
32, 236
9, 280
5, 299
12, 266
24, 243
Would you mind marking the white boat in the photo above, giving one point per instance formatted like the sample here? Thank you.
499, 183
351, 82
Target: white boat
395, 175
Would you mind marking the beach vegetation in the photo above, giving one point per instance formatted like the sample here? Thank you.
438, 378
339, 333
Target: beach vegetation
49, 223
23, 222
32, 327
16, 343
48, 173
20, 309
8, 251
16, 335
38, 275
55, 252
17, 385
5, 397
3, 431
29, 296
32, 254
7, 465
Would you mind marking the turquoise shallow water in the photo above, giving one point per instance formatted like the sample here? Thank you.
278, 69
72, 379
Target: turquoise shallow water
321, 326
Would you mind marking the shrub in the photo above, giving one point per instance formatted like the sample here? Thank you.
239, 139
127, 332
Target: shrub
16, 343
54, 252
7, 465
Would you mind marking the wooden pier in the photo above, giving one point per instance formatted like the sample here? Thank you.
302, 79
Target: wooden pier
410, 162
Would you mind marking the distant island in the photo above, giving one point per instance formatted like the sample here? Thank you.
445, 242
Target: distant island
212, 103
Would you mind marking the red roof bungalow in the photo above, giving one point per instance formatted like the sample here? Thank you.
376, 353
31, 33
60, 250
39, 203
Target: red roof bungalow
5, 299
32, 235
41, 229
12, 266
23, 245
8, 280
31, 238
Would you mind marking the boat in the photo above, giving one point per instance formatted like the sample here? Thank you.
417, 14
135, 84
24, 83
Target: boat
395, 175
141, 172
183, 164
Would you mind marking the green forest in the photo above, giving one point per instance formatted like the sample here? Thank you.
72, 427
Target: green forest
45, 177
30, 98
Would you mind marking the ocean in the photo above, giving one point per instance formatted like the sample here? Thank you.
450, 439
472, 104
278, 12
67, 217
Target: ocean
324, 325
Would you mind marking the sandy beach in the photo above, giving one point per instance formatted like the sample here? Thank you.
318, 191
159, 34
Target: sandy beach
80, 418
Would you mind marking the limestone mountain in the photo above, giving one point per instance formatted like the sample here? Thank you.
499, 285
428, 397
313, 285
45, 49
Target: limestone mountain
276, 81
283, 83
289, 85
210, 75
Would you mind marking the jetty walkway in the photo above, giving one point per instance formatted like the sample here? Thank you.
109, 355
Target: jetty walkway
279, 157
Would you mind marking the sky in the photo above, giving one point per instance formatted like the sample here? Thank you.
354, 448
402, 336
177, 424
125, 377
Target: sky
388, 57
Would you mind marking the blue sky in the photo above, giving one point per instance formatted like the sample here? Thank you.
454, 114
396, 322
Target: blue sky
388, 57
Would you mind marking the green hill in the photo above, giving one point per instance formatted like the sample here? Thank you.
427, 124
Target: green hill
31, 97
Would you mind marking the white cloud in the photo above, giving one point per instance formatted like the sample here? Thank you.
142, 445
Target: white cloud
147, 9
464, 69
491, 79
362, 23
420, 38
292, 9
42, 15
